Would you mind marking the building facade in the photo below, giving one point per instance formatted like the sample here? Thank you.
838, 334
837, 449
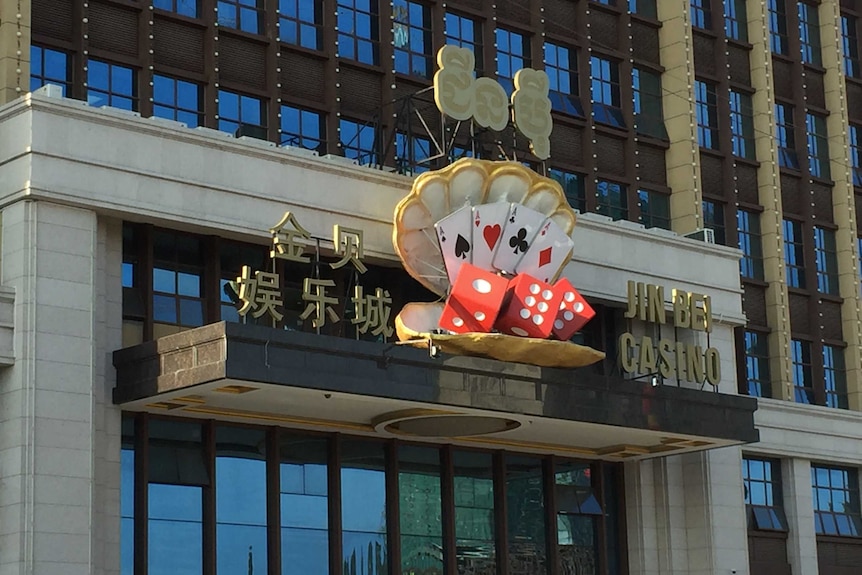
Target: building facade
139, 435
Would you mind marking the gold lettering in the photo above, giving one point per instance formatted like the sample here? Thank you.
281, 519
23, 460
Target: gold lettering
646, 358
631, 288
628, 361
698, 315
707, 308
694, 363
681, 310
681, 372
655, 303
665, 354
713, 366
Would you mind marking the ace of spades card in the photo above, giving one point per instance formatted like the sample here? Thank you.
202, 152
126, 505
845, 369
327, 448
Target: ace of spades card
488, 223
522, 225
550, 251
456, 241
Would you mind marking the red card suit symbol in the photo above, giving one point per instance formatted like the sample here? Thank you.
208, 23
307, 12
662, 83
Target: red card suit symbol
545, 257
492, 234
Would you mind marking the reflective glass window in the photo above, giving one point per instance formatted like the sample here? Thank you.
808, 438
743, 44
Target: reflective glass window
850, 46
513, 54
358, 141
49, 66
465, 32
300, 22
803, 382
713, 219
412, 36
303, 128
778, 27
605, 91
241, 115
826, 259
412, 153
735, 20
757, 364
363, 507
578, 511
359, 31
474, 513
761, 479
649, 115
525, 507
561, 66
178, 296
701, 14
835, 493
856, 154
818, 147
655, 209
645, 8
190, 8
127, 497
706, 105
834, 376
612, 200
794, 257
245, 15
573, 187
420, 509
809, 33
111, 85
785, 136
178, 100
741, 125
748, 233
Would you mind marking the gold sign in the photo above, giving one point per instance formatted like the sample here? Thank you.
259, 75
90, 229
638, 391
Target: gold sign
461, 96
260, 292
669, 358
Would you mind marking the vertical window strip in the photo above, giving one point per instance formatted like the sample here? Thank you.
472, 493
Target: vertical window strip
826, 258
794, 262
834, 377
359, 31
818, 147
707, 114
784, 127
741, 125
412, 38
778, 27
735, 20
757, 364
465, 33
748, 232
850, 46
513, 54
301, 23
809, 34
803, 384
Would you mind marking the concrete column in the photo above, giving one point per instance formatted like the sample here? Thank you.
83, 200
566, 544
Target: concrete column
682, 157
57, 511
641, 515
14, 38
799, 508
769, 196
843, 206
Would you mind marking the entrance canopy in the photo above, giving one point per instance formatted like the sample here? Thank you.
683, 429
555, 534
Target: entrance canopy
236, 372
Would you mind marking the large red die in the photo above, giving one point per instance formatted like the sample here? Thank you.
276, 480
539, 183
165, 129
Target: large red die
574, 311
474, 300
531, 308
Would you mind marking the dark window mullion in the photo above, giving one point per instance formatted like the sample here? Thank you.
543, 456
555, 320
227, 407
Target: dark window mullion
334, 505
501, 531
273, 503
141, 483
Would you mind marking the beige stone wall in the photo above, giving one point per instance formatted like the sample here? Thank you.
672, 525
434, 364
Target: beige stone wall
14, 49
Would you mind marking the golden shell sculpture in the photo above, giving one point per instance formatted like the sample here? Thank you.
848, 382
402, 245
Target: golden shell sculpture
436, 195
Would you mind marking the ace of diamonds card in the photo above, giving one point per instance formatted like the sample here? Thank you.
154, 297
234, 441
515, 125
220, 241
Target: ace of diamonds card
550, 251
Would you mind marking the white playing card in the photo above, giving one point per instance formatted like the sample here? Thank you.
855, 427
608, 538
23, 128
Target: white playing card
488, 223
550, 251
522, 225
456, 243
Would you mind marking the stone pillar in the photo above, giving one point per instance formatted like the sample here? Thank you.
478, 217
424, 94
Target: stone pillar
14, 38
799, 508
59, 502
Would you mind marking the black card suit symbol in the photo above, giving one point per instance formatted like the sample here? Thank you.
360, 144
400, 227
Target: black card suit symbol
462, 246
519, 241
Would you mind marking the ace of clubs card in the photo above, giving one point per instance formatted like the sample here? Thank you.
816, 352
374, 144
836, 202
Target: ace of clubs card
550, 251
522, 225
455, 239
488, 223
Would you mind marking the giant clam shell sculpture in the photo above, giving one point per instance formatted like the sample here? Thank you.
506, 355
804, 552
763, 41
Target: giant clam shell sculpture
436, 195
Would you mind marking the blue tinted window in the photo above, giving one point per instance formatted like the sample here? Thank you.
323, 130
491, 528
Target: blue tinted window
573, 187
513, 54
761, 479
190, 8
302, 128
611, 200
241, 115
856, 154
654, 208
850, 46
605, 91
835, 493
741, 125
713, 219
178, 100
649, 115
757, 364
748, 232
412, 37
706, 105
645, 8
358, 141
701, 15
803, 384
412, 153
300, 22
818, 147
111, 85
826, 259
245, 15
784, 134
177, 280
561, 66
175, 542
127, 497
794, 262
809, 33
465, 33
735, 20
777, 27
49, 66
363, 506
834, 376
359, 31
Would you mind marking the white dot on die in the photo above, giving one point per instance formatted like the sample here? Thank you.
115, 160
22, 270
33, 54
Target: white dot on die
518, 331
579, 307
482, 285
534, 289
559, 324
529, 301
457, 321
542, 307
569, 316
547, 294
569, 297
537, 319
479, 316
525, 313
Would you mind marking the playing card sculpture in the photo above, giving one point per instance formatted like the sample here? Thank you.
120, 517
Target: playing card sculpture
492, 238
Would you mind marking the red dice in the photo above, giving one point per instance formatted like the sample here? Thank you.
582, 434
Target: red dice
574, 311
531, 308
474, 301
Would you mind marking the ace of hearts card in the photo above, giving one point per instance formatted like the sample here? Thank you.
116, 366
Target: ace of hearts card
487, 225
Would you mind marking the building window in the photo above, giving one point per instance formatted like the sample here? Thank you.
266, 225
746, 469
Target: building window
412, 154
757, 364
784, 127
818, 147
649, 116
794, 263
834, 377
611, 200
573, 187
761, 480
748, 232
826, 258
358, 141
741, 125
777, 27
513, 54
190, 8
850, 46
178, 100
465, 33
245, 15
836, 501
655, 209
578, 512
605, 91
412, 37
178, 298
49, 66
300, 22
856, 154
706, 104
302, 128
645, 8
713, 219
803, 384
735, 20
359, 31
241, 115
127, 496
561, 65
111, 85
701, 15
809, 33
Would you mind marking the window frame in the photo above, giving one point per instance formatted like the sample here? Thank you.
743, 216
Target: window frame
810, 46
841, 479
506, 56
409, 54
778, 37
605, 91
794, 253
255, 130
826, 260
298, 138
801, 360
757, 373
706, 107
243, 11
748, 234
357, 152
715, 220
110, 93
741, 125
835, 377
298, 25
179, 7
701, 14
347, 34
855, 136
646, 199
564, 101
768, 515
735, 20
179, 110
850, 46
604, 199
647, 101
578, 198
44, 78
785, 136
818, 146
453, 38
